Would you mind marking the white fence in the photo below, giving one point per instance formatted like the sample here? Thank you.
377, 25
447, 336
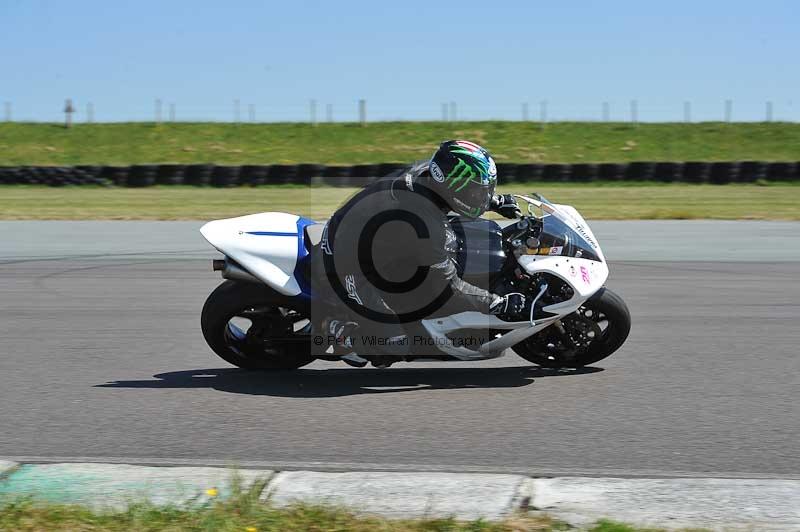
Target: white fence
633, 110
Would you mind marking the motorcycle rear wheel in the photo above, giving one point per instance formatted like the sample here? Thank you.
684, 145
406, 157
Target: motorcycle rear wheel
249, 326
584, 340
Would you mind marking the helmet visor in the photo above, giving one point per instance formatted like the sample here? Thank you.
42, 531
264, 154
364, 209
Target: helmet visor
473, 201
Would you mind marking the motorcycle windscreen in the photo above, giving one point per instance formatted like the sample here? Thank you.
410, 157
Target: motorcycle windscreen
558, 238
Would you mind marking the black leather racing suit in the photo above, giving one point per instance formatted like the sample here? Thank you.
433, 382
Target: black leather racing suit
392, 232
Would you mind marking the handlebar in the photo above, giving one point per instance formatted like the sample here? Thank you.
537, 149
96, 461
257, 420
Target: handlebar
523, 233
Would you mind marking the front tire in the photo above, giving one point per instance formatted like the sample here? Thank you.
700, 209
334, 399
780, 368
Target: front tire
274, 338
582, 340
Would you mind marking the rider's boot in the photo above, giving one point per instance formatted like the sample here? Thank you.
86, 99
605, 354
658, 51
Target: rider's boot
354, 360
343, 334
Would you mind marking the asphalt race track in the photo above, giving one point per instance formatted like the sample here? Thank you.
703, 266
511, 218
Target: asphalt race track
102, 358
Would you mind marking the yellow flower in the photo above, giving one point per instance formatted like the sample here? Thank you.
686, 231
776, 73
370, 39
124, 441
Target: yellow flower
251, 529
212, 492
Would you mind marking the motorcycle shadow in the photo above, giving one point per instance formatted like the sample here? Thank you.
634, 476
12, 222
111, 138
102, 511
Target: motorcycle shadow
321, 383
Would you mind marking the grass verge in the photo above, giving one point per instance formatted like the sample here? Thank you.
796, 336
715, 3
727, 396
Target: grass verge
567, 142
245, 513
595, 201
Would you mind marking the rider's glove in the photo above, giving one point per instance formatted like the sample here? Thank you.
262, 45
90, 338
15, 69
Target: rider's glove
509, 306
505, 205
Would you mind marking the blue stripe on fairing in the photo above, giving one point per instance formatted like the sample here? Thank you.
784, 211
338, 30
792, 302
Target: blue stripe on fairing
302, 252
270, 233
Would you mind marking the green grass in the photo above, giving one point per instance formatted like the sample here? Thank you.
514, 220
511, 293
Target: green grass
242, 514
131, 143
245, 513
595, 201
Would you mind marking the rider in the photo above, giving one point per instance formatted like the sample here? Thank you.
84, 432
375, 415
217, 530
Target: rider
379, 267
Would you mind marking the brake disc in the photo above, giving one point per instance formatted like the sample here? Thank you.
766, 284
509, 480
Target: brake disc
581, 329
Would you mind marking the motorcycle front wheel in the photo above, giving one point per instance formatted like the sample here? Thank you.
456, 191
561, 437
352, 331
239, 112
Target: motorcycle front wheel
597, 329
250, 326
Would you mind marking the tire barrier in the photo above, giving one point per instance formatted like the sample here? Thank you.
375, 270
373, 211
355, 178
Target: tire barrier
362, 175
527, 172
115, 175
309, 173
639, 171
390, 168
281, 174
225, 176
667, 172
723, 173
145, 175
142, 176
198, 175
90, 175
9, 175
610, 171
555, 172
254, 175
508, 171
780, 171
751, 171
583, 172
364, 170
336, 176
695, 172
170, 174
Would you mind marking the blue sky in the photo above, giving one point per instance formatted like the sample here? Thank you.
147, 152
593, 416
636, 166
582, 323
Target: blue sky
405, 58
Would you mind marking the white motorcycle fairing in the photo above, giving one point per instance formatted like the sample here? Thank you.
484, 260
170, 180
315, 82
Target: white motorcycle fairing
585, 277
269, 245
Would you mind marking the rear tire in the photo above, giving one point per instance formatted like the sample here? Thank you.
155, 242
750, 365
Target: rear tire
604, 303
266, 309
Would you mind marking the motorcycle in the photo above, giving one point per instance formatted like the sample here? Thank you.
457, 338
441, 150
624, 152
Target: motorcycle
259, 317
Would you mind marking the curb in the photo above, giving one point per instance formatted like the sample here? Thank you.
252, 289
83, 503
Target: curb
115, 486
402, 495
6, 467
717, 504
714, 503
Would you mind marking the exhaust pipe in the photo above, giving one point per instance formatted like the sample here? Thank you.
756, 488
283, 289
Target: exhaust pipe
231, 270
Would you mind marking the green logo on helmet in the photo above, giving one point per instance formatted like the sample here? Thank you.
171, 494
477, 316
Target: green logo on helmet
464, 173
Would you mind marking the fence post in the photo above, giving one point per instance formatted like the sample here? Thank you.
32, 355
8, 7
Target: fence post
362, 112
687, 112
542, 114
68, 110
728, 110
769, 111
158, 110
606, 112
89, 113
